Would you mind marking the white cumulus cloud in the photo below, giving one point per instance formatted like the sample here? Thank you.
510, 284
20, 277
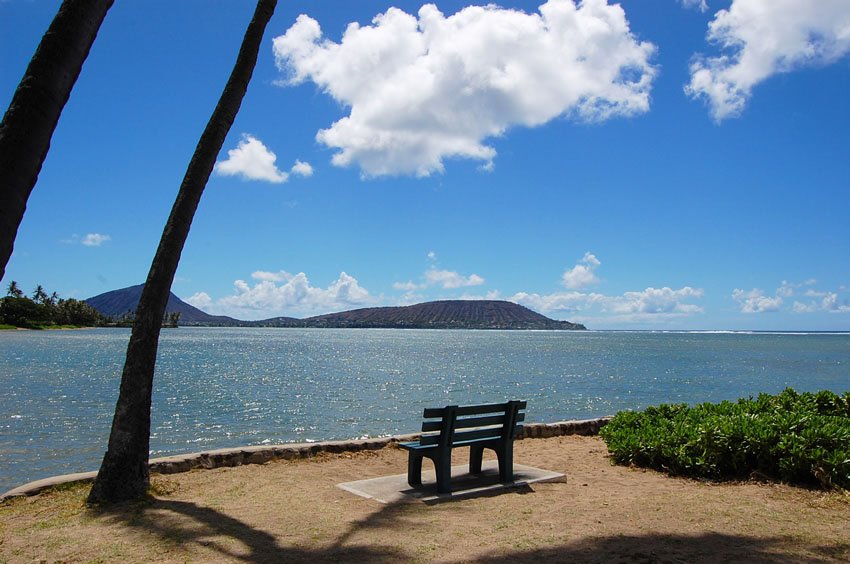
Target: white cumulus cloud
281, 293
424, 88
408, 286
95, 239
831, 303
788, 289
700, 5
302, 169
251, 160
436, 276
811, 300
449, 279
646, 306
200, 300
567, 302
582, 274
657, 301
755, 301
760, 38
827, 301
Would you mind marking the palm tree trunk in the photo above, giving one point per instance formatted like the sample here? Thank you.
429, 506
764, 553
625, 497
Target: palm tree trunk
124, 473
28, 124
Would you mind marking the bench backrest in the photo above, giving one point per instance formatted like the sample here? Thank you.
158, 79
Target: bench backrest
456, 424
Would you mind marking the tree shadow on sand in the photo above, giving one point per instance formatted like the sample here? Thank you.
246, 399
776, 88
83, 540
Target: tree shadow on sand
179, 523
649, 548
658, 548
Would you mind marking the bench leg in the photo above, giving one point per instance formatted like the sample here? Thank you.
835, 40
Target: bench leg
476, 454
443, 466
414, 469
506, 463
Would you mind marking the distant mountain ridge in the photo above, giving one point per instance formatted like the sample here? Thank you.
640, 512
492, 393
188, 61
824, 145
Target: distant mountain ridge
120, 303
445, 314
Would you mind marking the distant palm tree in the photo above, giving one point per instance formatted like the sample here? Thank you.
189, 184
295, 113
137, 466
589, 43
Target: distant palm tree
39, 296
29, 122
14, 291
124, 474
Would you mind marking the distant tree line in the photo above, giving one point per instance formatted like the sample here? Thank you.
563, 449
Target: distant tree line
43, 310
46, 310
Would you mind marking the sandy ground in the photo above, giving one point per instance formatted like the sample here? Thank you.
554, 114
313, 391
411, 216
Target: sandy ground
293, 511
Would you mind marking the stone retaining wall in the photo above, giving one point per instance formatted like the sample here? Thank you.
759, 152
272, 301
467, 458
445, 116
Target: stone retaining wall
265, 453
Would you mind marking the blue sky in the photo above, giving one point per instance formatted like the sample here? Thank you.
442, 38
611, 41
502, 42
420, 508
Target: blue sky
657, 164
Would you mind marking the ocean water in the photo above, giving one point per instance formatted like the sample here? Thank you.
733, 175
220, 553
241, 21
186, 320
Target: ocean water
224, 387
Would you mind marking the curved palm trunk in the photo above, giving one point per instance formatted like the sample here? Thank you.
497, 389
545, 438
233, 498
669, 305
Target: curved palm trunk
32, 116
123, 474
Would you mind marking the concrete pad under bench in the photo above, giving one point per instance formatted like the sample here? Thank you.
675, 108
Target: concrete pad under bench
393, 489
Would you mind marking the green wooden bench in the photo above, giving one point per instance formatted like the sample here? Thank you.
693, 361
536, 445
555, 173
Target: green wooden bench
491, 426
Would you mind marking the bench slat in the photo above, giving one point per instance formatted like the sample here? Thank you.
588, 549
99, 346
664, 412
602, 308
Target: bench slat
485, 421
479, 409
429, 426
432, 412
494, 433
479, 434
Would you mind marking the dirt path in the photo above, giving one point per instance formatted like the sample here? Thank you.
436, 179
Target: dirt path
292, 511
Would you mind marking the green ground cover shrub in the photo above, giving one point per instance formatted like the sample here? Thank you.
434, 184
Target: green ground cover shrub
793, 437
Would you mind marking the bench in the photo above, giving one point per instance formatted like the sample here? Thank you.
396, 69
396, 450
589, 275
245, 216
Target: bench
491, 426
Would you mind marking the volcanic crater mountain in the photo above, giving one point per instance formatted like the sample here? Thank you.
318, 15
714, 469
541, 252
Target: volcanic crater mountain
445, 314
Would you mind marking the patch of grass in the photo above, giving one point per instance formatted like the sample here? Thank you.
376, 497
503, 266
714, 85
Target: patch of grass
66, 501
162, 488
77, 488
792, 437
4, 327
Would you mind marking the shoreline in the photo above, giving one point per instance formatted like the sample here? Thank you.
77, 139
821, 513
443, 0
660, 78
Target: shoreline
261, 454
